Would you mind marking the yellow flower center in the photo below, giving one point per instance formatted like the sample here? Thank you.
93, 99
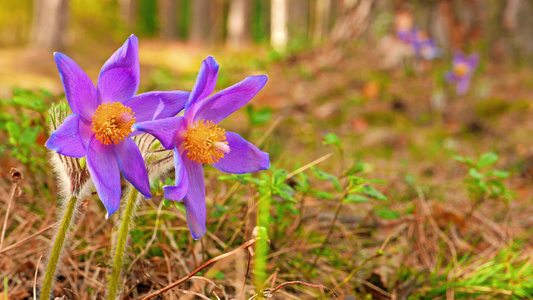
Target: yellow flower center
112, 122
206, 142
460, 69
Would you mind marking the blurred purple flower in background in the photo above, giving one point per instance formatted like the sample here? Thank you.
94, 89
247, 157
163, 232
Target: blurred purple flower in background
196, 139
101, 123
462, 70
405, 36
422, 45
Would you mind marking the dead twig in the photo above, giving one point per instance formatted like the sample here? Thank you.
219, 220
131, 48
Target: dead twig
27, 238
35, 278
269, 292
309, 165
149, 276
247, 271
16, 177
200, 268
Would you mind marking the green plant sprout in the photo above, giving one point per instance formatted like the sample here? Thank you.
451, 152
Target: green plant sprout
483, 182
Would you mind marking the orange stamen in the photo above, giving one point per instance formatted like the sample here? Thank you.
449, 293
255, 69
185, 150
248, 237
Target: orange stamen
460, 69
112, 122
206, 142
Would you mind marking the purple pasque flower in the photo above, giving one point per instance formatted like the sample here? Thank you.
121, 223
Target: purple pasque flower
100, 126
462, 71
422, 44
426, 49
196, 139
405, 36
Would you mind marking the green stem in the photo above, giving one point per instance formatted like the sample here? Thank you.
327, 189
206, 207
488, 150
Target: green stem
58, 248
123, 235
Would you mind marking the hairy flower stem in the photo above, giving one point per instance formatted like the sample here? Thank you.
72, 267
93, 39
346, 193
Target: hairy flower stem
123, 234
58, 247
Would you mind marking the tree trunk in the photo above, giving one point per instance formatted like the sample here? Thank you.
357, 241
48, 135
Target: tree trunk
168, 10
278, 25
299, 18
128, 13
216, 16
200, 24
355, 20
322, 11
239, 23
49, 24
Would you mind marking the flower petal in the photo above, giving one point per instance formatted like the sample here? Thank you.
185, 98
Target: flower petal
195, 198
450, 76
458, 58
243, 157
131, 163
473, 61
119, 77
204, 86
157, 105
165, 130
225, 102
67, 139
79, 89
462, 85
178, 191
105, 173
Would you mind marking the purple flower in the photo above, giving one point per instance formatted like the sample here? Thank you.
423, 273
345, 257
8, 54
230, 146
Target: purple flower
426, 49
462, 70
422, 45
100, 126
196, 139
405, 36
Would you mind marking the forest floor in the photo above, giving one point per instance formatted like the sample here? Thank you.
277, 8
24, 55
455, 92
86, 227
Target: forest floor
424, 242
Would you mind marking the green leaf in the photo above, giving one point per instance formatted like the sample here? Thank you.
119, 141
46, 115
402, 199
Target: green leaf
302, 182
14, 131
458, 158
180, 206
354, 198
322, 194
387, 214
219, 275
358, 167
258, 117
500, 174
487, 159
332, 139
464, 160
356, 180
31, 102
279, 177
30, 136
220, 208
474, 173
371, 192
326, 176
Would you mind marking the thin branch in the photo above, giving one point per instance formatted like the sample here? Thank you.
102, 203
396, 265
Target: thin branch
16, 177
35, 278
149, 276
247, 271
307, 166
200, 268
270, 292
269, 131
26, 239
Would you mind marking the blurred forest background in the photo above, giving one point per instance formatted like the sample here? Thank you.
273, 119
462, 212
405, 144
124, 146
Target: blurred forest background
344, 94
498, 29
